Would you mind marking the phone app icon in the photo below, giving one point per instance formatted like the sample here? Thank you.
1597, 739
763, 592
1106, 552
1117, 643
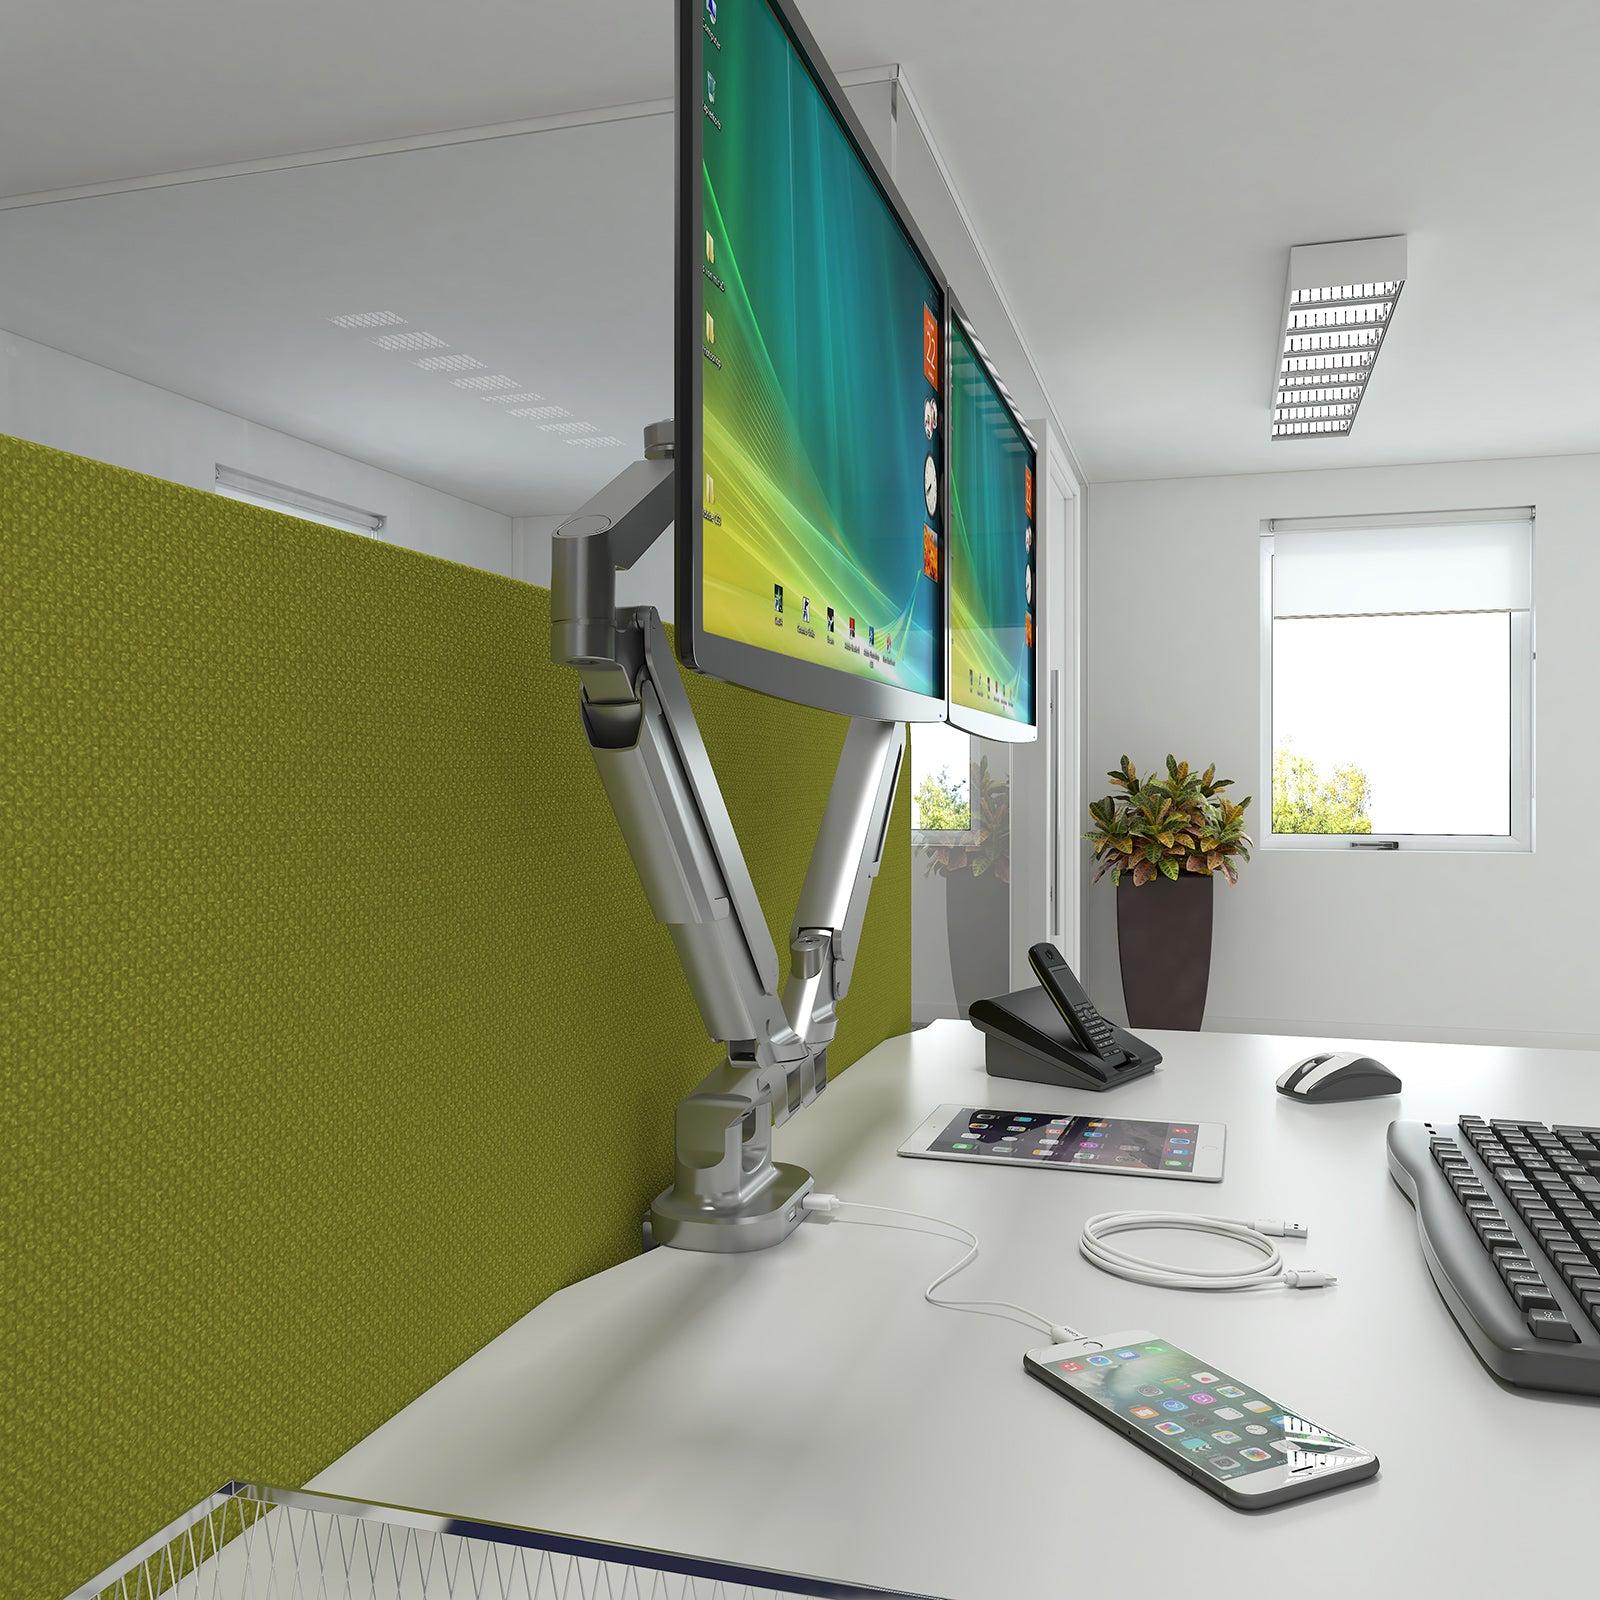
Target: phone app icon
1201, 1398
1253, 1454
1127, 1355
1150, 1389
1174, 1405
1279, 1421
1222, 1463
1197, 1445
1172, 1383
1070, 1366
1225, 1436
1172, 1163
1204, 1377
1255, 1428
1227, 1414
1256, 1405
1169, 1428
1282, 1446
1145, 1412
1229, 1390
1099, 1361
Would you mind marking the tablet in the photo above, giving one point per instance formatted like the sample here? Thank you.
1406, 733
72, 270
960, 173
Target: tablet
1191, 1150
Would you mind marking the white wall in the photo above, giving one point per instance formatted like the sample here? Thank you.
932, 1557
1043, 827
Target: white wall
1489, 948
55, 399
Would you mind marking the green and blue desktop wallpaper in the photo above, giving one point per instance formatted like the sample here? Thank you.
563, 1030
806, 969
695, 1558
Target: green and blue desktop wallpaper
823, 441
991, 567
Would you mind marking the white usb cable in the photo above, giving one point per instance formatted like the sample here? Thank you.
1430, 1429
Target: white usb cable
828, 1204
1271, 1273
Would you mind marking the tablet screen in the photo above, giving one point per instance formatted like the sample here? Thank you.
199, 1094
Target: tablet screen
1069, 1141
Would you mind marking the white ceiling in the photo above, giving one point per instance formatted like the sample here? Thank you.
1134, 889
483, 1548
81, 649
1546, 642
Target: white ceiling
1137, 173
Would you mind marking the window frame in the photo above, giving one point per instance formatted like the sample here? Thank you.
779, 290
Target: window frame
1523, 669
936, 837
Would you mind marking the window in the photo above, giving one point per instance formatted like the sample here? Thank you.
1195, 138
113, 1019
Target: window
1397, 692
941, 784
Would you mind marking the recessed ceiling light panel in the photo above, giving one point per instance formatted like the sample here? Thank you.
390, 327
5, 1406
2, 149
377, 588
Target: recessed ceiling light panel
607, 439
522, 397
540, 413
453, 363
1337, 305
566, 427
414, 340
369, 319
486, 380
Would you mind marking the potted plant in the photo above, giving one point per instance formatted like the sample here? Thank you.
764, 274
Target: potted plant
978, 903
1164, 841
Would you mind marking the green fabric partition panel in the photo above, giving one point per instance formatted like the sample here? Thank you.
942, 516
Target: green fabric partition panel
335, 1030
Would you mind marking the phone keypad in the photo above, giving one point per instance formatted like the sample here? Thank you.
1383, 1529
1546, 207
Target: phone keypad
1095, 1028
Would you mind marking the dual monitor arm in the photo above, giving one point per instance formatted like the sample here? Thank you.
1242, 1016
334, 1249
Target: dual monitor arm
728, 1193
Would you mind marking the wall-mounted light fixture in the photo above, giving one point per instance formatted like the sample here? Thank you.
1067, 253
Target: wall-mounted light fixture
238, 485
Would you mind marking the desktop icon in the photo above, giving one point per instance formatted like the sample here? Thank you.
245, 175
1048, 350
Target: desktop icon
1027, 629
830, 619
930, 346
805, 608
777, 598
711, 89
930, 417
852, 627
711, 329
711, 10
711, 249
1027, 489
872, 637
930, 553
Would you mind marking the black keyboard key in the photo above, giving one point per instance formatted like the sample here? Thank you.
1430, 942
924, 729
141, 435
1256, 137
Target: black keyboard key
1533, 1299
1552, 1325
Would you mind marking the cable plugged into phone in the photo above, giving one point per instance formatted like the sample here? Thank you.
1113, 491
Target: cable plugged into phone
828, 1205
1271, 1273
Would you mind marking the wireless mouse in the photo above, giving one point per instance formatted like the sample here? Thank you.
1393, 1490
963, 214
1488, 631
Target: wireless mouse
1337, 1075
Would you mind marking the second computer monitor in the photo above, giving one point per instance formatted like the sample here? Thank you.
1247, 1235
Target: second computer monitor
992, 572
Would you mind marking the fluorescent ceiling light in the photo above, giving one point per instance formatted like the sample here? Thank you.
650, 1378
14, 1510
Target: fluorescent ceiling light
282, 497
1337, 305
369, 319
415, 340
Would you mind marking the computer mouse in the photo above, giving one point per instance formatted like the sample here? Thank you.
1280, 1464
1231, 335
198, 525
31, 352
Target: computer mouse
1337, 1075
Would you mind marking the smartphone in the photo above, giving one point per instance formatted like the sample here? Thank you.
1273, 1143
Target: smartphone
1139, 1149
1230, 1437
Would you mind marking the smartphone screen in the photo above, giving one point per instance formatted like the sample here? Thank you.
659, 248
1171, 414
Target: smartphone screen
1070, 1141
1203, 1417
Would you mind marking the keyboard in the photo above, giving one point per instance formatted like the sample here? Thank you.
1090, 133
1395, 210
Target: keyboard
1509, 1214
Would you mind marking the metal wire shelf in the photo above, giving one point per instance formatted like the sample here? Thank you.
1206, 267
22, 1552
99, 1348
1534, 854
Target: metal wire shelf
253, 1542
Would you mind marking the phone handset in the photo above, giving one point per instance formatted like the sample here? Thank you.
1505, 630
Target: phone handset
1088, 1027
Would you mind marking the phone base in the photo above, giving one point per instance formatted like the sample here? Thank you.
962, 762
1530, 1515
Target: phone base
1027, 1039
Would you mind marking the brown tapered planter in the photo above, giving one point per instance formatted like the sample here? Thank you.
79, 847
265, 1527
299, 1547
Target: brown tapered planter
1164, 947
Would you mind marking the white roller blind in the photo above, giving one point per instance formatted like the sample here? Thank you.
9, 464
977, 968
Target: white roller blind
1374, 570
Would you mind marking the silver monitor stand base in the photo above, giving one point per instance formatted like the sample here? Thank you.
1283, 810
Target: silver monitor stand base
728, 1194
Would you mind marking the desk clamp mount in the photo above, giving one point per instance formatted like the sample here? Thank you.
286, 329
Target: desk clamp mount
728, 1193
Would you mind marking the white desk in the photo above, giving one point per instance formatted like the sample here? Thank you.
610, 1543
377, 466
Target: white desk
802, 1408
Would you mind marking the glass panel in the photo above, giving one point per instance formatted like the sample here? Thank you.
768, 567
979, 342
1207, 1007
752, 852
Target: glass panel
941, 777
1392, 725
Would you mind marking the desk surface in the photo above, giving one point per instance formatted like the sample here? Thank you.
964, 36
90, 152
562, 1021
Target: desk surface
802, 1408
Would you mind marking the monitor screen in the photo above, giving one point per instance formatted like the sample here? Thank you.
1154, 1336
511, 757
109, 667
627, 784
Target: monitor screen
993, 576
812, 472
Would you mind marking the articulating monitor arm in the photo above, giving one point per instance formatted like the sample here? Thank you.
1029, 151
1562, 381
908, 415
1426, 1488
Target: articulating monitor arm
729, 1194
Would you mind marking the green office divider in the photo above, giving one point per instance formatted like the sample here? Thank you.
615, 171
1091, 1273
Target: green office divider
335, 1032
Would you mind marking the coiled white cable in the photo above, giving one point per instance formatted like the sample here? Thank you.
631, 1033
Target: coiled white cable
1271, 1273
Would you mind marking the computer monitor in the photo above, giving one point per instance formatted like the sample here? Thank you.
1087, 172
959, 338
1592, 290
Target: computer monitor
810, 471
992, 575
